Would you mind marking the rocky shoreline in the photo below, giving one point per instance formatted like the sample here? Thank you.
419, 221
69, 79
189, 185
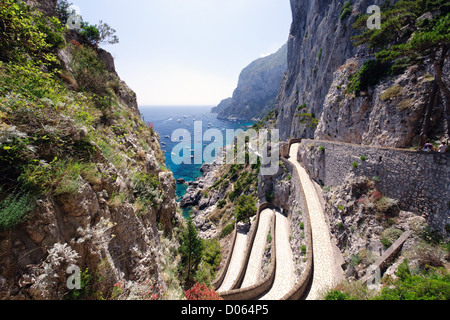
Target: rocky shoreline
202, 201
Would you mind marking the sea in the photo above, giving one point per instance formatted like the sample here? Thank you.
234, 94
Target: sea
165, 120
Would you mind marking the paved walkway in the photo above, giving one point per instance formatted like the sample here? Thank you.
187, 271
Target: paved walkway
253, 273
236, 262
284, 274
324, 274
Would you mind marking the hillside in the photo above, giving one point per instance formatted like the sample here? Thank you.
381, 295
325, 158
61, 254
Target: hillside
257, 89
83, 180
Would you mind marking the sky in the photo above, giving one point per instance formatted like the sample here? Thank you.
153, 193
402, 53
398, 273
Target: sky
188, 52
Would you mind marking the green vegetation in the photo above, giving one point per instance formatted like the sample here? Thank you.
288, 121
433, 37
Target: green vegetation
392, 93
246, 208
191, 252
52, 119
346, 10
431, 284
355, 165
146, 189
14, 209
370, 74
411, 32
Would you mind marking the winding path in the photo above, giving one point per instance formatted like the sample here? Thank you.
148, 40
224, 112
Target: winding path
253, 273
324, 272
284, 273
324, 275
236, 263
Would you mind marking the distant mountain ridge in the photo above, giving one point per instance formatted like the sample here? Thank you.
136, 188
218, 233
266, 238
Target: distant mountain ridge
257, 89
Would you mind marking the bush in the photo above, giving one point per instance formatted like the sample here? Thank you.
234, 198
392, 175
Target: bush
346, 10
14, 209
369, 75
431, 285
245, 209
227, 230
392, 93
387, 206
355, 165
389, 236
89, 71
201, 292
146, 189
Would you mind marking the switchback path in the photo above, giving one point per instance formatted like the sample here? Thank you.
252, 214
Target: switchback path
284, 274
237, 261
253, 273
324, 276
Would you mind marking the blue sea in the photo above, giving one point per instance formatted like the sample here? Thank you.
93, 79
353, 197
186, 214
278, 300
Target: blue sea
168, 119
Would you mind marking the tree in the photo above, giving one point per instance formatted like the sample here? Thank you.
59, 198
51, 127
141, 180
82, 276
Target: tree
191, 252
245, 209
99, 34
412, 32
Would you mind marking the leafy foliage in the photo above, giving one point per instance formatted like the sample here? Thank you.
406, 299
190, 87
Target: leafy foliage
146, 189
15, 207
246, 208
201, 292
191, 252
27, 33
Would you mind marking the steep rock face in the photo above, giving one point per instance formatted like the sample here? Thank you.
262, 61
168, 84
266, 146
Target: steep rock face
389, 114
319, 43
257, 89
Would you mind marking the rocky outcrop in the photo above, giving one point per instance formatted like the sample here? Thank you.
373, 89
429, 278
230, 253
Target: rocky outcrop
389, 114
257, 89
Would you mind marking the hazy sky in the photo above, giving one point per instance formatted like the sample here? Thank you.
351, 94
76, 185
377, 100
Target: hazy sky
188, 52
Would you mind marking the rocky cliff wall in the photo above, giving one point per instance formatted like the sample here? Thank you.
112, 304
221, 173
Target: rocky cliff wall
257, 89
319, 43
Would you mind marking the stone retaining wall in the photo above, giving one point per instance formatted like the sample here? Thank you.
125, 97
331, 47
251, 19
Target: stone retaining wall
264, 285
298, 291
419, 181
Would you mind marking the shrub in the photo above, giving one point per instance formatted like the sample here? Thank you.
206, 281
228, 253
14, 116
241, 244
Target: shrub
388, 206
363, 158
389, 236
337, 295
89, 71
431, 285
14, 209
303, 249
346, 10
221, 204
392, 93
245, 209
370, 74
201, 292
355, 165
227, 230
146, 189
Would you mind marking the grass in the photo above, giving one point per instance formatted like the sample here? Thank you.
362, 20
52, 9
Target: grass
15, 208
392, 93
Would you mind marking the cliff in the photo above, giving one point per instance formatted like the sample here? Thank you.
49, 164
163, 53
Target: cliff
83, 181
257, 89
314, 100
